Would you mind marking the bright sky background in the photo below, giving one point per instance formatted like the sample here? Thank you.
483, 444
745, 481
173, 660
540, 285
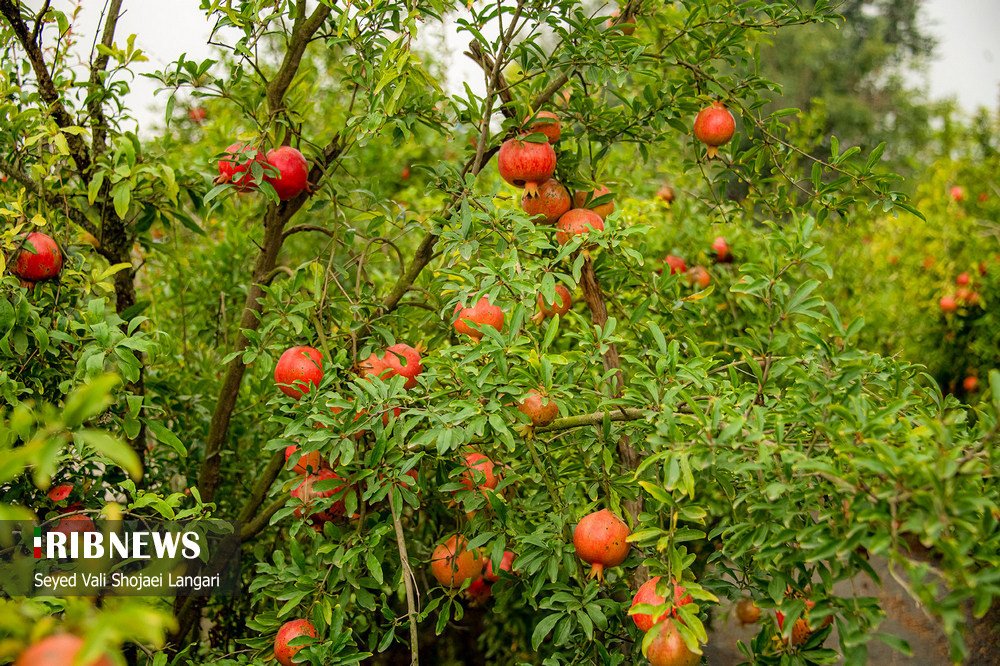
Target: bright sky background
967, 65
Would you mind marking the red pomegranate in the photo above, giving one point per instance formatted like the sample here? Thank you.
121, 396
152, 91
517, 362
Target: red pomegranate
714, 126
506, 564
577, 222
721, 248
962, 279
676, 264
800, 630
646, 594
57, 650
373, 366
479, 591
983, 197
197, 114
668, 647
235, 167
747, 611
59, 493
538, 408
306, 463
547, 123
600, 541
293, 172
404, 360
526, 164
482, 464
665, 194
559, 307
970, 384
699, 277
626, 27
75, 523
288, 631
957, 193
307, 493
550, 203
584, 199
452, 564
482, 314
39, 258
948, 304
297, 368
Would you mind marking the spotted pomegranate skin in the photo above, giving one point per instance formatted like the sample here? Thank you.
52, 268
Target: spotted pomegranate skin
547, 123
59, 493
526, 164
452, 564
293, 172
646, 594
584, 199
39, 258
559, 307
297, 369
669, 649
600, 541
551, 202
235, 167
537, 407
288, 631
57, 650
714, 126
482, 313
307, 493
577, 222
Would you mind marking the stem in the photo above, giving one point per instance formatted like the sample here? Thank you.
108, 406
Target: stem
408, 581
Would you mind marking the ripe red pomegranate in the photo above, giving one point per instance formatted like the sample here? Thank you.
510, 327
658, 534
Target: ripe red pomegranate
39, 258
957, 193
306, 492
293, 172
76, 523
669, 649
676, 264
197, 114
235, 167
747, 611
288, 631
626, 27
983, 197
970, 384
577, 222
550, 203
948, 304
305, 464
297, 368
559, 307
405, 173
721, 248
506, 564
665, 194
538, 408
404, 360
57, 650
480, 463
962, 279
373, 366
526, 164
479, 591
547, 123
714, 126
482, 314
59, 493
646, 594
452, 564
600, 541
585, 199
698, 276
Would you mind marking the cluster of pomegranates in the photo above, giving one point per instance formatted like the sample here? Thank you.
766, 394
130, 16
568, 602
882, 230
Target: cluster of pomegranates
288, 173
965, 295
453, 564
37, 258
698, 276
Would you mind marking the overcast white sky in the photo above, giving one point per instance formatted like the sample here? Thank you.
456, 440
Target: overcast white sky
967, 65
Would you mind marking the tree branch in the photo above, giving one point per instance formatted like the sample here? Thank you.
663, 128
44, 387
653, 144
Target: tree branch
301, 34
53, 199
597, 418
408, 582
98, 65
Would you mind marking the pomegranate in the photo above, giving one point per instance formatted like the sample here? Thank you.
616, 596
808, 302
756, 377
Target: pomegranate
405, 173
698, 276
600, 541
506, 564
59, 493
948, 304
970, 384
559, 307
373, 366
306, 463
669, 649
57, 650
714, 126
288, 631
957, 193
577, 222
75, 523
39, 258
482, 314
547, 123
665, 194
983, 197
928, 262
297, 368
479, 591
583, 199
482, 464
747, 611
550, 203
800, 630
452, 564
404, 360
308, 495
293, 172
721, 248
526, 164
235, 167
646, 594
626, 27
197, 114
676, 264
962, 279
538, 408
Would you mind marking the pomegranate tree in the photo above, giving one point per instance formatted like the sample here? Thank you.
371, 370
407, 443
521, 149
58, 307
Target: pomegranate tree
57, 650
577, 222
290, 630
714, 126
560, 306
668, 648
293, 172
537, 407
526, 164
39, 258
235, 166
549, 203
599, 540
585, 199
297, 369
481, 314
452, 564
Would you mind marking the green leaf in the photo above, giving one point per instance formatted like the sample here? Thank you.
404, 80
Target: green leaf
89, 400
113, 448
